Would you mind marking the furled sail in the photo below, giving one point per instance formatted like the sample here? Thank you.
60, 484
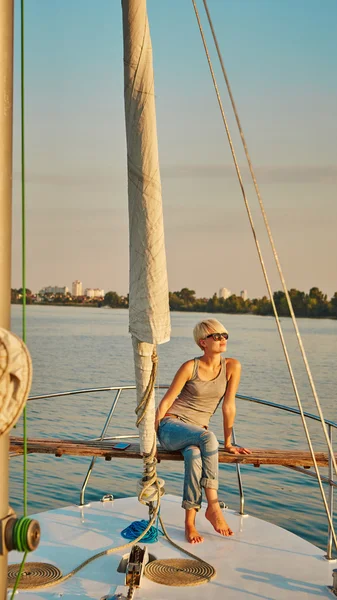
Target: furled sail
149, 318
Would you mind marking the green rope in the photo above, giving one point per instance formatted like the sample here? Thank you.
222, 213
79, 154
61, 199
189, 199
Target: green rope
23, 210
19, 576
20, 533
21, 527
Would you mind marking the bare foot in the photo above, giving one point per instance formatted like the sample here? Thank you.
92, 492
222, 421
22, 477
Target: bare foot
216, 518
191, 534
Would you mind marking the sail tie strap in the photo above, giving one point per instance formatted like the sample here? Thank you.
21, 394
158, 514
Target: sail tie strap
143, 404
147, 490
287, 358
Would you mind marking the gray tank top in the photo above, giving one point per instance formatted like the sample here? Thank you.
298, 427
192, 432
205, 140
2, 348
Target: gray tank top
199, 399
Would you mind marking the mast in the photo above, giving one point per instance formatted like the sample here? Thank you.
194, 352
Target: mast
6, 122
149, 318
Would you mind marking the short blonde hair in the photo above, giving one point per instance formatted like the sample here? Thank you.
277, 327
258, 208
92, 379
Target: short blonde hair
204, 328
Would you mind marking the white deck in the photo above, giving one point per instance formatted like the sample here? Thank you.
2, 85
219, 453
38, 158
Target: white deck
262, 561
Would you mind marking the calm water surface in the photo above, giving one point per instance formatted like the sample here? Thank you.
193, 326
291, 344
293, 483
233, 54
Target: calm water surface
86, 347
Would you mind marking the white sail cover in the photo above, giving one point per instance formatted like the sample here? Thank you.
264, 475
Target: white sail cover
149, 317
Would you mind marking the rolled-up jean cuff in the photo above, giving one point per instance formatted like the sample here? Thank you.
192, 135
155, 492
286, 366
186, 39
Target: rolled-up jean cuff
188, 505
209, 483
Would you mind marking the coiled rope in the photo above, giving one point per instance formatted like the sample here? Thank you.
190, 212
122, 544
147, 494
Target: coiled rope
20, 534
137, 527
292, 377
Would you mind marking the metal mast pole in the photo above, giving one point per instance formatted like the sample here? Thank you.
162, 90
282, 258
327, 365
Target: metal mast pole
6, 123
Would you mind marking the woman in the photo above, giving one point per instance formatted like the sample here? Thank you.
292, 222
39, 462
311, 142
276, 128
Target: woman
182, 421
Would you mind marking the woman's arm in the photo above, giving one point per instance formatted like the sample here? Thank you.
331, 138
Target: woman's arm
180, 378
233, 368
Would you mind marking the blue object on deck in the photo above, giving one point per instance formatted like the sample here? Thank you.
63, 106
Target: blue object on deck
134, 530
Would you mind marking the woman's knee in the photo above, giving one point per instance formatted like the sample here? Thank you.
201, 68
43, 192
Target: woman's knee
191, 453
209, 440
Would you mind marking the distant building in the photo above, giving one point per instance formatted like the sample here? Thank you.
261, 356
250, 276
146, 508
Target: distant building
94, 293
244, 295
77, 288
54, 290
224, 293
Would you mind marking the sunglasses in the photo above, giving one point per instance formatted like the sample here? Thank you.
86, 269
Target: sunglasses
217, 336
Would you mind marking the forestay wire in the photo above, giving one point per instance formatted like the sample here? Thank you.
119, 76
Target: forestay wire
292, 377
277, 261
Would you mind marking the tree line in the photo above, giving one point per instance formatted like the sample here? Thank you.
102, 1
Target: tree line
315, 304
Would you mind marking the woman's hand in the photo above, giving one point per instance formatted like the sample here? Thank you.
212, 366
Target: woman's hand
237, 450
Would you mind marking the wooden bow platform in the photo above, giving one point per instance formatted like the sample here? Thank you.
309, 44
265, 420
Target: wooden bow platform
298, 458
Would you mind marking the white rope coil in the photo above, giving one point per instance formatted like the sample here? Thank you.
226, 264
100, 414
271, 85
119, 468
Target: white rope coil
149, 493
15, 378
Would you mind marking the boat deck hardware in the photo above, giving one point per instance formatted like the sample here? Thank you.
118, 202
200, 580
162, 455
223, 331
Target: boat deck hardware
334, 581
118, 596
107, 498
138, 558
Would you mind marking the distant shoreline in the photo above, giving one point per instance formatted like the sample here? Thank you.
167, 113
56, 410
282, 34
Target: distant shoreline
313, 305
105, 307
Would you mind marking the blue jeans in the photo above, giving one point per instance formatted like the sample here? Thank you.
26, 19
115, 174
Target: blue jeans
199, 448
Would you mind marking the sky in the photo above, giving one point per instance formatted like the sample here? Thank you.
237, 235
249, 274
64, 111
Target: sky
281, 60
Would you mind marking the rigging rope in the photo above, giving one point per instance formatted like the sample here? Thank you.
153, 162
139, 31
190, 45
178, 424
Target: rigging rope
267, 281
18, 577
143, 404
149, 460
23, 238
271, 240
23, 213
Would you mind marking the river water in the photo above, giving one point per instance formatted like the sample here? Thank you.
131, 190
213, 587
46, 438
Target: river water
75, 347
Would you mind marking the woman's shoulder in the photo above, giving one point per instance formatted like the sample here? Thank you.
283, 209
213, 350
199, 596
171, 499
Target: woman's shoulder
232, 366
188, 367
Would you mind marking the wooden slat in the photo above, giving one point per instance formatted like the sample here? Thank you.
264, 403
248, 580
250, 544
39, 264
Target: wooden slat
299, 458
